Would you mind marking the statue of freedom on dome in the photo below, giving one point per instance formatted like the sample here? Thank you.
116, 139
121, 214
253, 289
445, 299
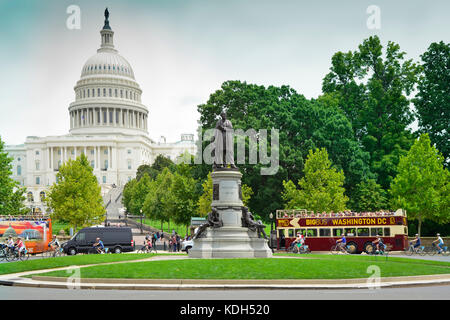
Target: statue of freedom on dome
106, 13
223, 143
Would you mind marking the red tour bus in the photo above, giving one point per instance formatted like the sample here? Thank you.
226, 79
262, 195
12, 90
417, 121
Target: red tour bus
321, 230
36, 232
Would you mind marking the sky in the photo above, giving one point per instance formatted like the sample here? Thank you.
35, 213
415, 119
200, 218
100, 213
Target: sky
181, 51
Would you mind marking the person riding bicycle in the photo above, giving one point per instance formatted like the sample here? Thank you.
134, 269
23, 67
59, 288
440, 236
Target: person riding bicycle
99, 246
20, 245
342, 242
379, 243
299, 241
10, 244
416, 242
54, 244
440, 243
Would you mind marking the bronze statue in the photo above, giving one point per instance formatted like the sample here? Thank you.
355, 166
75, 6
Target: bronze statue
106, 13
223, 143
213, 221
248, 221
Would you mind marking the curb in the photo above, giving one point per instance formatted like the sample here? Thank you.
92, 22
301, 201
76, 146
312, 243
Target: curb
192, 284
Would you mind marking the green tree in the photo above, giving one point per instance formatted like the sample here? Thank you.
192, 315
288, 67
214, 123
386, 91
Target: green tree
185, 197
368, 196
159, 201
372, 90
139, 193
127, 194
321, 187
422, 186
433, 98
303, 124
76, 197
11, 194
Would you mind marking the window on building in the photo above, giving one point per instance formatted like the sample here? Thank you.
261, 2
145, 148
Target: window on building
98, 92
92, 151
42, 196
337, 232
37, 165
129, 164
104, 179
30, 197
104, 92
105, 151
115, 93
121, 93
37, 152
129, 151
106, 164
92, 163
110, 92
19, 170
38, 180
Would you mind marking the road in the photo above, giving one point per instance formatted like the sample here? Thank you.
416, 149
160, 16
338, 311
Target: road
436, 292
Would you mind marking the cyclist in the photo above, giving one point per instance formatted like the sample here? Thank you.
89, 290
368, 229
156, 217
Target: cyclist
416, 242
298, 241
379, 243
20, 246
342, 242
99, 246
440, 243
10, 244
54, 244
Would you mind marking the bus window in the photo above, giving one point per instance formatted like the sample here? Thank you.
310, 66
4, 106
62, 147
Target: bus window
350, 232
291, 233
363, 232
325, 232
337, 232
281, 232
376, 231
298, 231
312, 233
387, 232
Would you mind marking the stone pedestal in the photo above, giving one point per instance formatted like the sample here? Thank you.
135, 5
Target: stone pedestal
232, 240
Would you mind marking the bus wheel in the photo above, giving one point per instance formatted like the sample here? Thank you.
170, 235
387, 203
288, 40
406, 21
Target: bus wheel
352, 247
368, 248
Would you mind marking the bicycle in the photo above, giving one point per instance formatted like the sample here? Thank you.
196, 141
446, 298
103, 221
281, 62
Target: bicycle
375, 251
147, 249
295, 249
3, 251
435, 249
95, 250
58, 252
13, 254
336, 248
420, 250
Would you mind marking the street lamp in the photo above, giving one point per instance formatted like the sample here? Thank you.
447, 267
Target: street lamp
271, 230
141, 220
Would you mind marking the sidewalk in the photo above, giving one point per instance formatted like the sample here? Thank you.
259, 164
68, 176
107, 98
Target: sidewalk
202, 284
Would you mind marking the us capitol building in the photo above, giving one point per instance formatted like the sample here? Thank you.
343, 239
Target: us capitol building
108, 123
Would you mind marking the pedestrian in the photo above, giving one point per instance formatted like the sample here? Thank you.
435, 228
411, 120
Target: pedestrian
178, 239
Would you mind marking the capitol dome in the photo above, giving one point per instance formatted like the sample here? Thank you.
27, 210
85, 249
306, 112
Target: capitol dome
107, 96
107, 63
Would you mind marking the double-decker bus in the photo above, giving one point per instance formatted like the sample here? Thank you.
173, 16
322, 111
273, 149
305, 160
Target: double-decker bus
36, 232
321, 230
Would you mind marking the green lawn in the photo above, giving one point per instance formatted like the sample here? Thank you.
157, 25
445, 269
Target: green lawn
315, 267
79, 260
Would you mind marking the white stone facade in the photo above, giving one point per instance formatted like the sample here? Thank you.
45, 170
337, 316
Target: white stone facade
108, 123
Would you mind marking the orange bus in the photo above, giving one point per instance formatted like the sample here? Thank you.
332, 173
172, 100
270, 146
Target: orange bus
36, 232
321, 230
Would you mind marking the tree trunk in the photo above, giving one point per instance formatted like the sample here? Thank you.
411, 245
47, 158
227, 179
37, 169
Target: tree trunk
168, 226
162, 230
419, 227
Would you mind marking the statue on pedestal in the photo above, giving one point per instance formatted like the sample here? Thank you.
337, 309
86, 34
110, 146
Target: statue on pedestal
223, 143
248, 220
213, 221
